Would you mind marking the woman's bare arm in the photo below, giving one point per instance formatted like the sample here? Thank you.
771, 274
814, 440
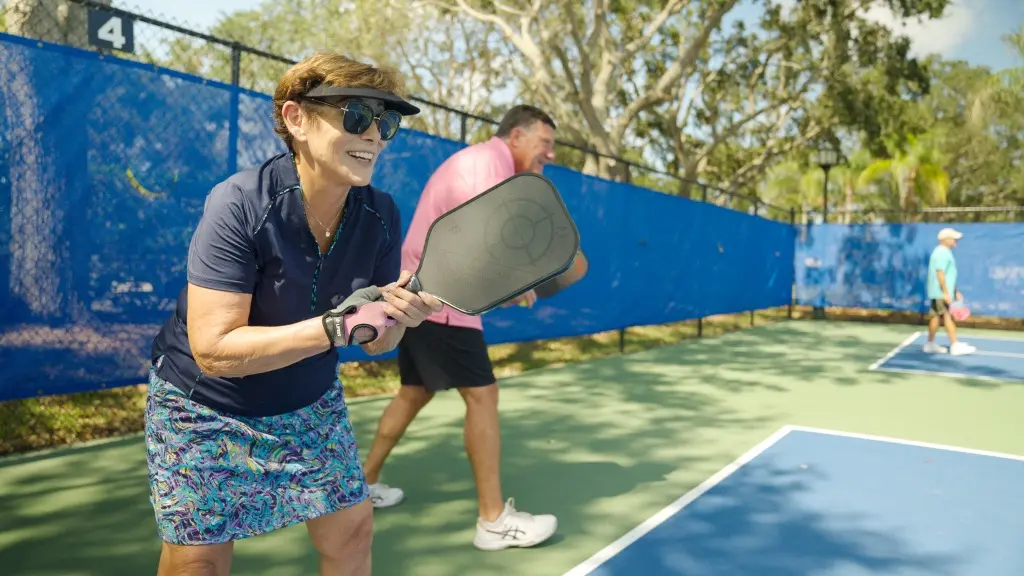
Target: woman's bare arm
224, 345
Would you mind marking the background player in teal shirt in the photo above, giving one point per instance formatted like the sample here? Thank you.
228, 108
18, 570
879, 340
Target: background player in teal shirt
942, 278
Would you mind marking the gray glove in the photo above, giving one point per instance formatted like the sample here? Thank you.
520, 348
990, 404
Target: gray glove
359, 319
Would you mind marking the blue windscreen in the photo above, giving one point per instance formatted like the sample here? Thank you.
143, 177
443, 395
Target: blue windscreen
885, 266
106, 164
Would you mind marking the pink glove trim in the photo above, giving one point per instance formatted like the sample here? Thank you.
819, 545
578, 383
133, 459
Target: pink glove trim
367, 316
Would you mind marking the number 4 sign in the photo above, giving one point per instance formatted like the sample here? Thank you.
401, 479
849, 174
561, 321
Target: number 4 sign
110, 30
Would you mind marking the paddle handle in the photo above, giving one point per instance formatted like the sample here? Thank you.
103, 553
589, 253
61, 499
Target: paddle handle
413, 285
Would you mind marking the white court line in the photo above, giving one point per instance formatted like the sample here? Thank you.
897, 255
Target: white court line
969, 336
609, 551
1000, 354
877, 365
667, 512
960, 375
895, 350
892, 440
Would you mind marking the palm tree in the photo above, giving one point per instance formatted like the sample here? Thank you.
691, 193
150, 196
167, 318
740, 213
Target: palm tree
788, 184
793, 184
915, 171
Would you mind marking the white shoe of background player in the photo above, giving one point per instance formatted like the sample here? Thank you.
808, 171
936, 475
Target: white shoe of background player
384, 496
961, 348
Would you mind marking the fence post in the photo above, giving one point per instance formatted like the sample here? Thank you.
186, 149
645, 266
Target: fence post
236, 73
757, 207
792, 288
622, 331
463, 128
703, 198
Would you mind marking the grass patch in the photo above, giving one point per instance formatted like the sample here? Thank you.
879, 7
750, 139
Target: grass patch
50, 421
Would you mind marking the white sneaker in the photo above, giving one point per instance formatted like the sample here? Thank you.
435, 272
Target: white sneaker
514, 529
384, 496
961, 348
933, 348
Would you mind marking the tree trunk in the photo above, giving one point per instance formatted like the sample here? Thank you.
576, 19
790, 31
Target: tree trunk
848, 186
909, 196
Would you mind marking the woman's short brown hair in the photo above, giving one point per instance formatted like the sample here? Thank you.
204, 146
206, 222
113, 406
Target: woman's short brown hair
334, 69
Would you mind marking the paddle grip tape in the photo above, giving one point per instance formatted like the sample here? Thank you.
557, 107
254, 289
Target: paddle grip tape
413, 285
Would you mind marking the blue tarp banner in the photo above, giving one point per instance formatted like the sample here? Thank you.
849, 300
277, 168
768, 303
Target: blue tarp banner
885, 266
106, 164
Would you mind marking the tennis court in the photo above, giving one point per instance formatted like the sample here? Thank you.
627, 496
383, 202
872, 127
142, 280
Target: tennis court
997, 358
841, 472
945, 509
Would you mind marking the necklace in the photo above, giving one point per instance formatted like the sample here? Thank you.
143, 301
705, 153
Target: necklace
327, 229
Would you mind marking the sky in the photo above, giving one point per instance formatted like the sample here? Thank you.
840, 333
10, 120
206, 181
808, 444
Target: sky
971, 30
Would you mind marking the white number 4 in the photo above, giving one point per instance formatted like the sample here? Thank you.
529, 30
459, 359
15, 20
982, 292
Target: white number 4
111, 32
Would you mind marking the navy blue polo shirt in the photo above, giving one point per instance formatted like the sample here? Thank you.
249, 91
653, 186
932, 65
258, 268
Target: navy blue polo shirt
253, 238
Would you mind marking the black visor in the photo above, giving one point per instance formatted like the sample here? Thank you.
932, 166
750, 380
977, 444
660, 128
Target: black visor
391, 101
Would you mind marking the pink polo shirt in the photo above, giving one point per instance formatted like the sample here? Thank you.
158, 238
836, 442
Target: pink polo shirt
461, 177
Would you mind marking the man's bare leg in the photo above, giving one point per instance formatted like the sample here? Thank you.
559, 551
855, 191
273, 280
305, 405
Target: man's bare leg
396, 418
499, 524
950, 327
482, 434
933, 327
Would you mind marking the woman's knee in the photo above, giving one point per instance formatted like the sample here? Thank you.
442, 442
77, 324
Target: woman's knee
344, 536
211, 560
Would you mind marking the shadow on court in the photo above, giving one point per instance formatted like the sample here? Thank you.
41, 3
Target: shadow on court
602, 444
759, 522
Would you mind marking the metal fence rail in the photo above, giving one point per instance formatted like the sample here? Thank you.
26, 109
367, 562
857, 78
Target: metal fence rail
174, 46
924, 215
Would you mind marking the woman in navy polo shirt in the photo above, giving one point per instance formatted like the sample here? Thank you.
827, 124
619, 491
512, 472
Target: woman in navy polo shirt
247, 430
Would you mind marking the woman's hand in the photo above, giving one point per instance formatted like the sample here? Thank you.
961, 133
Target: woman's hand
407, 308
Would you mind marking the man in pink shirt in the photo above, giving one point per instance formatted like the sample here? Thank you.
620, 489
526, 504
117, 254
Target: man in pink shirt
449, 351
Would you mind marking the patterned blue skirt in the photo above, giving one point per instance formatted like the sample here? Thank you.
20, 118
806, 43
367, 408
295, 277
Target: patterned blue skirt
215, 477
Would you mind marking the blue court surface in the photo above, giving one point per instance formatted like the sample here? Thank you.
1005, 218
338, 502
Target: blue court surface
996, 358
809, 502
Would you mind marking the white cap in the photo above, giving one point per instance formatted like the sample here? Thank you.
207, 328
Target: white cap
949, 233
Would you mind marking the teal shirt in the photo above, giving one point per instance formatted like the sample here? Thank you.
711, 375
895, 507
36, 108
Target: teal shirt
941, 259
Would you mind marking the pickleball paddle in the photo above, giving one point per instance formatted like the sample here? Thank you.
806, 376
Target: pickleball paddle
502, 243
959, 311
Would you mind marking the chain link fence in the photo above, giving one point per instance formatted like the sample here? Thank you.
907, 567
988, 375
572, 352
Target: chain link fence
926, 215
45, 274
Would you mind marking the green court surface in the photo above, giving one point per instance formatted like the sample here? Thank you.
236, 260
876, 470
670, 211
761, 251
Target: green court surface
603, 445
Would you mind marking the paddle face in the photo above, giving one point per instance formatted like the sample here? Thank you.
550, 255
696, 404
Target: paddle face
577, 270
495, 247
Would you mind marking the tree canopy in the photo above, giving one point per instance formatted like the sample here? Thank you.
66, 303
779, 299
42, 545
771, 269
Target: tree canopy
728, 94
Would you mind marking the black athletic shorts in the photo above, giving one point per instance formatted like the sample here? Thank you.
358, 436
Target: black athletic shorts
938, 308
441, 357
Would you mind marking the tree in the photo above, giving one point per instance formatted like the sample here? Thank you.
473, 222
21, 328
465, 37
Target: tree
791, 184
814, 71
616, 74
915, 171
577, 54
452, 61
975, 117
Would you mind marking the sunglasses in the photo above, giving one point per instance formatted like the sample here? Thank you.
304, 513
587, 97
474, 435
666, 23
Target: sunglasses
359, 116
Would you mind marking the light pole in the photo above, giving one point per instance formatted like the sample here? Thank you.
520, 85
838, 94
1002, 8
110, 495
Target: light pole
826, 158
